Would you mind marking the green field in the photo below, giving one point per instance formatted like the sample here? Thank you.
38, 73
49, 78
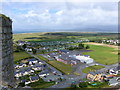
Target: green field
102, 54
46, 36
65, 68
42, 58
41, 84
20, 55
92, 68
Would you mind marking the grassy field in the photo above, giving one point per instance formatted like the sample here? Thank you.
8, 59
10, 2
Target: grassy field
41, 84
45, 36
102, 54
20, 55
65, 68
42, 58
92, 68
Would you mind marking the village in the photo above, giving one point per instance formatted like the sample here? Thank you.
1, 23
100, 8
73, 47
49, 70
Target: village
32, 70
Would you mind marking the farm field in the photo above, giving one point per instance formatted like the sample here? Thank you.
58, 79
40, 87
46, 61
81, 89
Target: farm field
92, 68
45, 36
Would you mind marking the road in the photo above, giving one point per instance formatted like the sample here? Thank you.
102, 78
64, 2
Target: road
70, 78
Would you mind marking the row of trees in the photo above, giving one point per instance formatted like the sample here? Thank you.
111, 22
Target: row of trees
80, 46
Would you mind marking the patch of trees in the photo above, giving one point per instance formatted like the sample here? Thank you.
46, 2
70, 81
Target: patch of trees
18, 49
80, 46
80, 34
24, 46
83, 84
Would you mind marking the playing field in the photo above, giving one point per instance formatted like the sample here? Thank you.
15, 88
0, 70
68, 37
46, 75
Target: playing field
102, 54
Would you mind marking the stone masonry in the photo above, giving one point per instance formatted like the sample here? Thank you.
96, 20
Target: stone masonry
6, 52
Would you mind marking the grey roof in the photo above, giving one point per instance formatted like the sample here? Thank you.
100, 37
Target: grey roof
65, 51
33, 59
34, 78
117, 68
113, 80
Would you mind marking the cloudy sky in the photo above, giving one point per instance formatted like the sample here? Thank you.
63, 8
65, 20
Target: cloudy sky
62, 16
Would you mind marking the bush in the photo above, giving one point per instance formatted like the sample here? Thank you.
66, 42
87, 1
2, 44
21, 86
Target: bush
83, 84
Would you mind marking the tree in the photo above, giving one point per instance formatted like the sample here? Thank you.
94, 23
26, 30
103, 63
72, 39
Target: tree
83, 84
24, 46
87, 47
81, 46
22, 84
73, 86
34, 51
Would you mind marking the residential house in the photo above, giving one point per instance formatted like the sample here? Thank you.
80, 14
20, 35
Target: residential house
115, 70
28, 49
20, 65
37, 68
34, 78
114, 81
32, 61
95, 77
43, 73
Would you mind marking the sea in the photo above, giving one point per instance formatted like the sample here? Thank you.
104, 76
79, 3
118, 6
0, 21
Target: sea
36, 31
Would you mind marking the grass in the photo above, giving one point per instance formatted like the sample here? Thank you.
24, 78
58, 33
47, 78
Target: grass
92, 68
61, 36
20, 55
102, 54
41, 84
65, 68
42, 58
99, 85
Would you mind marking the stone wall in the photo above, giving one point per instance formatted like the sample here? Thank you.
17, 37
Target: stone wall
6, 52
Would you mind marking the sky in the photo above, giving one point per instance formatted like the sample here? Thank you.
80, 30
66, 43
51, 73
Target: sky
62, 15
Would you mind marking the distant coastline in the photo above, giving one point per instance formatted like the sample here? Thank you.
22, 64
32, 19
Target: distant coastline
82, 31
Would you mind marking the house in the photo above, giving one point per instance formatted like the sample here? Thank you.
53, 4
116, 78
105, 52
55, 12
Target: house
95, 77
34, 78
19, 74
64, 51
28, 71
27, 82
28, 49
115, 70
37, 68
32, 61
20, 65
43, 73
114, 81
40, 63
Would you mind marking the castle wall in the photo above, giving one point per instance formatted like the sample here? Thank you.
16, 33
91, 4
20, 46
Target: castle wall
6, 52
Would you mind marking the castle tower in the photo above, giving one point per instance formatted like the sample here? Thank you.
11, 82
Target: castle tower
6, 52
